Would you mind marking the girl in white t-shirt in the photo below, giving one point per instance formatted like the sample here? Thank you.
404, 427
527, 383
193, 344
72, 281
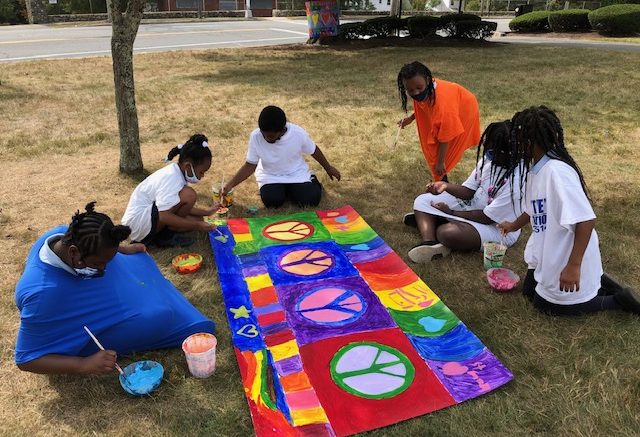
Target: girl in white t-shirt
163, 205
276, 156
565, 275
463, 217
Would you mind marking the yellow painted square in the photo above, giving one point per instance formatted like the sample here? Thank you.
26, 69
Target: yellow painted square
257, 282
284, 350
306, 417
242, 238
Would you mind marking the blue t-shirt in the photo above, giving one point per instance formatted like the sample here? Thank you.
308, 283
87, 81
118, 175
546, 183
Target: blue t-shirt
133, 307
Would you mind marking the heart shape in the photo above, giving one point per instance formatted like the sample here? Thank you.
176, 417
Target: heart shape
453, 368
431, 324
248, 331
342, 219
361, 246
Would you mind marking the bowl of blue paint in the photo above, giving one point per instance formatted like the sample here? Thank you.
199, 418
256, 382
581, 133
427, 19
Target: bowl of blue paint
142, 377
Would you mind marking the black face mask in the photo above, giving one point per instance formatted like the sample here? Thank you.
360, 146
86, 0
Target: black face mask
421, 96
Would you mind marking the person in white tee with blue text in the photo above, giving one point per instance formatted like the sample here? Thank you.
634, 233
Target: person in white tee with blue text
276, 156
565, 275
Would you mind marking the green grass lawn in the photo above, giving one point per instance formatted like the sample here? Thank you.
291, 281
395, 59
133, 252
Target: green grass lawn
59, 147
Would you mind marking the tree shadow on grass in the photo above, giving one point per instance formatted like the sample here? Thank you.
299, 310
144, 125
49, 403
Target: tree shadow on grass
10, 92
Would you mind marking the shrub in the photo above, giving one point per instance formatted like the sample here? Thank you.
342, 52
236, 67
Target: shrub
569, 20
12, 12
537, 21
474, 29
618, 2
616, 19
448, 22
422, 26
382, 27
351, 31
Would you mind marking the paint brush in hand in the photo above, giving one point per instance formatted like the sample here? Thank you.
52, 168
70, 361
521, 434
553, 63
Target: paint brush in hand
95, 340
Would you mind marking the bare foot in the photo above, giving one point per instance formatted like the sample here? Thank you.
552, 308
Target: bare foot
132, 248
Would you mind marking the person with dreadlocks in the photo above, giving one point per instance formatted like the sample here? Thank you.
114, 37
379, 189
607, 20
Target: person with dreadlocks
463, 217
565, 274
276, 155
74, 277
163, 205
446, 114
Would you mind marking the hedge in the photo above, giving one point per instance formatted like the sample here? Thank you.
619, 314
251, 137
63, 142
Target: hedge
382, 27
537, 21
474, 29
423, 26
604, 3
616, 20
449, 22
569, 20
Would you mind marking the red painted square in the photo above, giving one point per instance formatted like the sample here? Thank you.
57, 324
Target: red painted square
238, 226
349, 413
271, 318
387, 272
279, 338
263, 297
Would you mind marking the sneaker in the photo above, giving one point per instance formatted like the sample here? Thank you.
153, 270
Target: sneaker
425, 252
409, 219
628, 300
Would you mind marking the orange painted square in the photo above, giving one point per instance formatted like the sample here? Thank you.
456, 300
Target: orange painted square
295, 382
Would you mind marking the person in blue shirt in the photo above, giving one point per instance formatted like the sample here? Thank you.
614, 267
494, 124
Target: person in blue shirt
77, 275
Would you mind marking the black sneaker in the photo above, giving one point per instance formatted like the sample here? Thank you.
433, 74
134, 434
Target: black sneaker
409, 219
628, 300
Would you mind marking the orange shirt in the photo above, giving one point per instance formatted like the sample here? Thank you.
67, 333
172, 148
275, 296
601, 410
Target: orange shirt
453, 119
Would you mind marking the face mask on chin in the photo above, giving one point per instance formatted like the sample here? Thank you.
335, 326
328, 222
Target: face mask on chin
191, 179
89, 272
421, 96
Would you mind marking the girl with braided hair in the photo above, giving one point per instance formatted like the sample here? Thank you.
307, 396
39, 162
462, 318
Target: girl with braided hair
565, 275
446, 114
74, 276
462, 217
163, 205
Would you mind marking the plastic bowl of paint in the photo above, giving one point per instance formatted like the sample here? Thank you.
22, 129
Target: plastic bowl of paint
142, 377
502, 280
222, 211
187, 263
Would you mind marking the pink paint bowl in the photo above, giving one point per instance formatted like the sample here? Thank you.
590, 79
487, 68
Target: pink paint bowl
502, 280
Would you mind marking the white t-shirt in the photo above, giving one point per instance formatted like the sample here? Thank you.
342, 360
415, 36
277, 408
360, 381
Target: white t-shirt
163, 188
283, 161
556, 202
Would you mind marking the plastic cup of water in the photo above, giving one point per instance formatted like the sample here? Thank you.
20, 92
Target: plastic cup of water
200, 352
493, 254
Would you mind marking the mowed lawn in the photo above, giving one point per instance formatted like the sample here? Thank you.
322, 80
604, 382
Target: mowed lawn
59, 150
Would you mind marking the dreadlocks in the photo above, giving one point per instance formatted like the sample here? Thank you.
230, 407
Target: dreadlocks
92, 231
540, 126
409, 71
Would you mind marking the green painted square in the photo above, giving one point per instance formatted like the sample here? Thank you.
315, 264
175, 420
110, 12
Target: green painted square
302, 227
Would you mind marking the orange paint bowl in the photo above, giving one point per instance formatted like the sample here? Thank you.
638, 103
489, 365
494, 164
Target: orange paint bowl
187, 263
502, 280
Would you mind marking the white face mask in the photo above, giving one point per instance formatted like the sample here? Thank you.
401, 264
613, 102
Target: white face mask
89, 272
191, 179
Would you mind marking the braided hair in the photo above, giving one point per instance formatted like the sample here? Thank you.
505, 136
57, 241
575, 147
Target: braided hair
195, 149
93, 231
540, 126
409, 71
496, 138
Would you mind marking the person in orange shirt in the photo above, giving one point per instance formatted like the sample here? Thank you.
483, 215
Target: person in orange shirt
446, 114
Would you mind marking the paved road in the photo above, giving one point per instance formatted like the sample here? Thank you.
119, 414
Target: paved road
27, 42
19, 43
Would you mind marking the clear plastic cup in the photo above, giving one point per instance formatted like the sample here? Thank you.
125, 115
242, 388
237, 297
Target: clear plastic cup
200, 352
493, 254
228, 197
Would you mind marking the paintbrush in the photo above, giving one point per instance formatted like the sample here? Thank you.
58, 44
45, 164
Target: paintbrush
221, 191
395, 143
95, 340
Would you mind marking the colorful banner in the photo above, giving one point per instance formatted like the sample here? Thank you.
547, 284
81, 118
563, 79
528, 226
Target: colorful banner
323, 18
334, 334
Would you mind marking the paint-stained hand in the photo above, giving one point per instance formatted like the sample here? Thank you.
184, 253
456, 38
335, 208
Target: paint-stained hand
99, 363
570, 278
206, 226
333, 173
507, 227
441, 206
437, 187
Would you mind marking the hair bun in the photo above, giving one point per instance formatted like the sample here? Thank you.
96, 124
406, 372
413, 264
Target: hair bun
119, 233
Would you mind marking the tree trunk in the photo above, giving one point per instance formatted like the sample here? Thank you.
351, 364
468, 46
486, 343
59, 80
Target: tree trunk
126, 16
